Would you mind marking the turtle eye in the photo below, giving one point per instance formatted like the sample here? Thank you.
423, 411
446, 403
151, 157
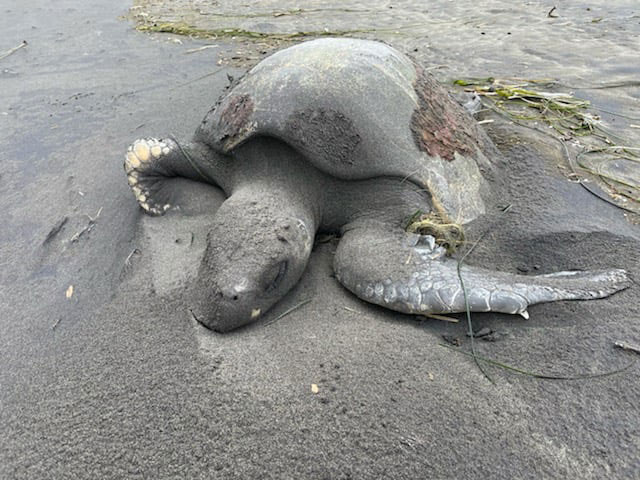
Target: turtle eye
276, 276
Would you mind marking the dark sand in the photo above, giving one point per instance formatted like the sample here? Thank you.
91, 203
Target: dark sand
119, 382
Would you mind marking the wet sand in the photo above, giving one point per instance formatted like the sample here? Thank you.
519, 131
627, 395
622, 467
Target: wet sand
117, 381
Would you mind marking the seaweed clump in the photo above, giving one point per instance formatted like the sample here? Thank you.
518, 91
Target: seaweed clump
447, 234
603, 154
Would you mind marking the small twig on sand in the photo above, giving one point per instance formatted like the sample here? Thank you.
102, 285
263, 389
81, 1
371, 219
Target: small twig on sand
55, 229
436, 67
53, 327
88, 228
199, 49
550, 13
352, 310
13, 50
287, 312
201, 77
295, 307
127, 262
444, 318
627, 346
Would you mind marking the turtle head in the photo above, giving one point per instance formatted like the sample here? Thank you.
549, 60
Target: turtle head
254, 256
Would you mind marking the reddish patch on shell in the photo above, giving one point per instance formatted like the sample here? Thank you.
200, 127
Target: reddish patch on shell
439, 125
235, 119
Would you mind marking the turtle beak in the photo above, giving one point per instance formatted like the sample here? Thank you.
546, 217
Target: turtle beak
227, 309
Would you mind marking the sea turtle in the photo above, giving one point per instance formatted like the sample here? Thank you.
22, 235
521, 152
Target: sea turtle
347, 136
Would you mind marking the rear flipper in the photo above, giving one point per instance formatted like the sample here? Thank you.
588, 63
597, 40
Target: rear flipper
501, 292
383, 269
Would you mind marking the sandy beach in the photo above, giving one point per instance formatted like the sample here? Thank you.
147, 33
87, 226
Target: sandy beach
103, 372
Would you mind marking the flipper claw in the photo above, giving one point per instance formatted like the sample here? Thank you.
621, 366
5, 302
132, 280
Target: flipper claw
143, 165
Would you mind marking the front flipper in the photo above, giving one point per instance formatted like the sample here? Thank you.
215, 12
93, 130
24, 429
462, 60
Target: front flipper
150, 162
411, 274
